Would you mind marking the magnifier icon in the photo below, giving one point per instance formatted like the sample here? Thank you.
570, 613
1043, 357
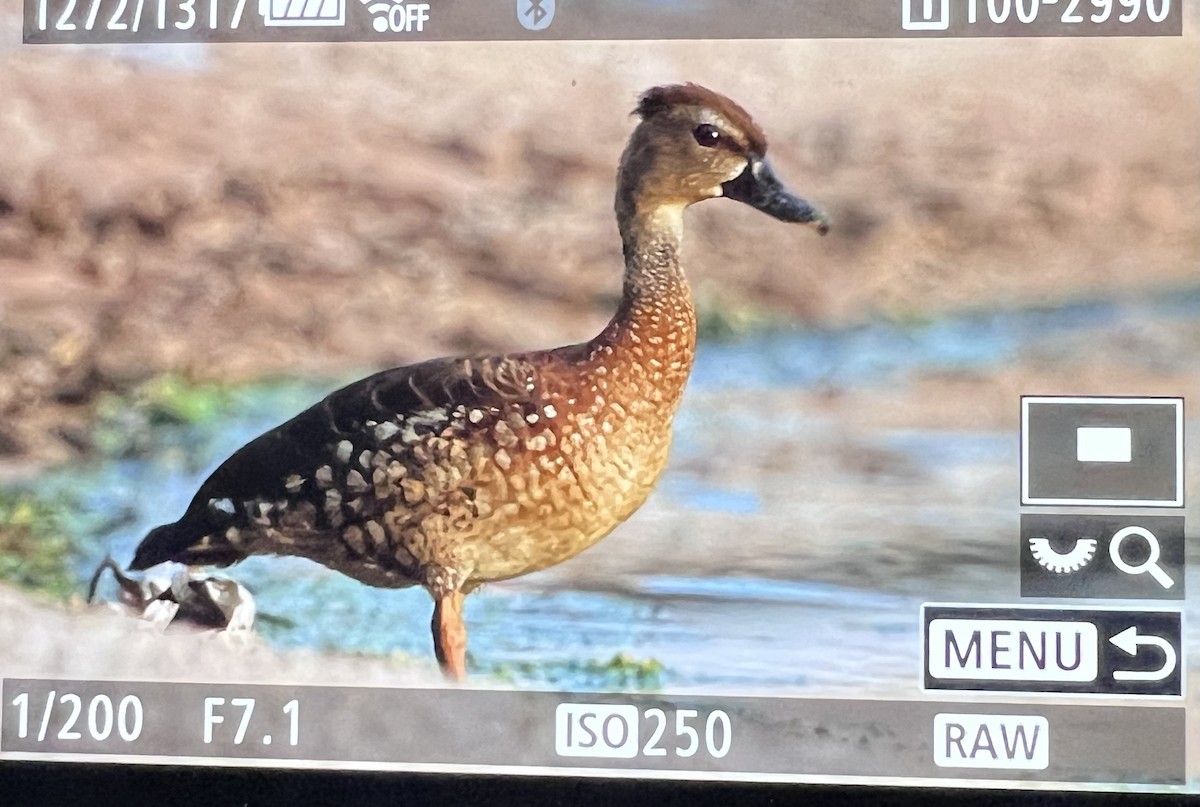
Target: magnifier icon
1151, 563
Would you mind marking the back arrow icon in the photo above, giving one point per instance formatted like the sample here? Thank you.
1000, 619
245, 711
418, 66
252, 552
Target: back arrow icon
1129, 641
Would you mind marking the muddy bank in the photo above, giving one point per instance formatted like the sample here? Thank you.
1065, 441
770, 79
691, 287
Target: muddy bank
93, 642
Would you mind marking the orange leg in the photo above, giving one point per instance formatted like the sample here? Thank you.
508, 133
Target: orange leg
450, 635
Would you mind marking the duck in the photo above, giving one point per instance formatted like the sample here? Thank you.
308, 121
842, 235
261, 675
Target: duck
460, 471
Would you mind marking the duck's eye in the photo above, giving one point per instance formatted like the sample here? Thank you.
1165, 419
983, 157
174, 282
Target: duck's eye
707, 135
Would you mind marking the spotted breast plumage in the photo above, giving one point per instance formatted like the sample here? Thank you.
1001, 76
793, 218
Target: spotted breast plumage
459, 471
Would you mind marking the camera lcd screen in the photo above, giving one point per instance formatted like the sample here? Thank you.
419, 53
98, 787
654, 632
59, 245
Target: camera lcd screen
776, 392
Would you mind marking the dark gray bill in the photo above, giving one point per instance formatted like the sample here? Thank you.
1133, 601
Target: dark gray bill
758, 187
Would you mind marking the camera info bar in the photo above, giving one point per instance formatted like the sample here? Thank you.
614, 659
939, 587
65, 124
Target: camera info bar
547, 733
195, 21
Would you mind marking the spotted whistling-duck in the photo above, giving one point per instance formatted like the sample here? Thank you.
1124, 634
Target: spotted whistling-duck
460, 471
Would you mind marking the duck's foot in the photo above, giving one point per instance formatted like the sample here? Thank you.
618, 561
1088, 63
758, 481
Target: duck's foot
450, 635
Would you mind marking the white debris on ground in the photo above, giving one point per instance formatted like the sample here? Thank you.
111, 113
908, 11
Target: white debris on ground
178, 595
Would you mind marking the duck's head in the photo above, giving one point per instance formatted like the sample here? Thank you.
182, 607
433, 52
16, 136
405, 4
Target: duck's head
694, 144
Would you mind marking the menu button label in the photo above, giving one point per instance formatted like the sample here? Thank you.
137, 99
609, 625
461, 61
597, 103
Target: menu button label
1013, 650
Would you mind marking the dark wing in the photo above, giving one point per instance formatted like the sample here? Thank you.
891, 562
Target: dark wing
260, 470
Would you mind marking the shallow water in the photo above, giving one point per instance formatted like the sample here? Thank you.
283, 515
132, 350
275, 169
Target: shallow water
851, 629
880, 351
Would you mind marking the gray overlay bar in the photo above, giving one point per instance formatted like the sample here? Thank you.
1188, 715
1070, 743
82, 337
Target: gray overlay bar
471, 728
115, 21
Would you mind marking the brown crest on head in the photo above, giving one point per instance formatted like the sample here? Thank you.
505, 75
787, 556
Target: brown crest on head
659, 100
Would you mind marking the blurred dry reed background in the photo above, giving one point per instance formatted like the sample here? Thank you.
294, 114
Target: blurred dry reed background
234, 212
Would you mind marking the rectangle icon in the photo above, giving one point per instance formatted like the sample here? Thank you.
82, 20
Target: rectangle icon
1103, 444
996, 741
1070, 649
1106, 451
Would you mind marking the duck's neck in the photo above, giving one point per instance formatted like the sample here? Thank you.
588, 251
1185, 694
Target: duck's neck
655, 324
656, 295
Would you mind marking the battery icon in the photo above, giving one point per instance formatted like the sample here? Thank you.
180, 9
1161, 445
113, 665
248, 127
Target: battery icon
282, 13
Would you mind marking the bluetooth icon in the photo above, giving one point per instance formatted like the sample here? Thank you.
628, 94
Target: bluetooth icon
535, 15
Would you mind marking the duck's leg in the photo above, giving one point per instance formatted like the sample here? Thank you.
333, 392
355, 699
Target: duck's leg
450, 635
